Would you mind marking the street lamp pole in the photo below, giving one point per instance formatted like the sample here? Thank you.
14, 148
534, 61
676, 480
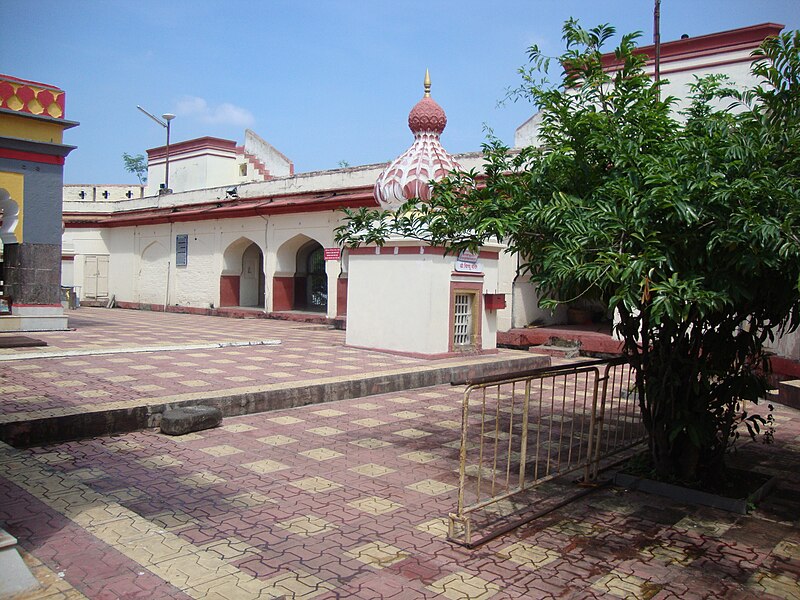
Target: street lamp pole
166, 125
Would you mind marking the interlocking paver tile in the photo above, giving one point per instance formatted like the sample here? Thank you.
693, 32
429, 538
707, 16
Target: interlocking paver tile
372, 470
463, 586
264, 466
315, 485
324, 431
375, 505
431, 487
622, 585
221, 450
321, 454
368, 422
378, 554
529, 555
285, 420
276, 440
307, 526
238, 427
371, 443
419, 457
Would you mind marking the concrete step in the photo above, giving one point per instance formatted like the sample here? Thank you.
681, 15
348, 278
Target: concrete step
44, 427
789, 393
557, 351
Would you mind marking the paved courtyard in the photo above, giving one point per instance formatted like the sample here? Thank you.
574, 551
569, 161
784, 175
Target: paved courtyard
349, 500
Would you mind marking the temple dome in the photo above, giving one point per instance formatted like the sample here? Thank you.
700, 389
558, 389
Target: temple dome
409, 175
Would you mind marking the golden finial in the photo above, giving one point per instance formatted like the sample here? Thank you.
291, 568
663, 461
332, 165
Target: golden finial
427, 84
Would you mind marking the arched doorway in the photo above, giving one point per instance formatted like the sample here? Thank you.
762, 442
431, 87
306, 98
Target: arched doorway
242, 279
311, 280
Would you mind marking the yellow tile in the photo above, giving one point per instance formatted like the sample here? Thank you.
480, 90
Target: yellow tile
97, 371
221, 450
401, 400
285, 420
315, 485
431, 487
378, 554
435, 527
257, 358
449, 424
324, 431
143, 367
375, 505
185, 364
412, 433
329, 412
407, 414
372, 470
442, 407
67, 383
367, 406
419, 457
222, 361
44, 375
210, 371
780, 586
230, 549
250, 368
621, 585
238, 427
321, 454
371, 443
286, 364
315, 371
93, 394
788, 549
432, 395
194, 383
24, 367
168, 375
172, 519
264, 466
369, 422
529, 555
240, 379
120, 378
307, 526
463, 586
276, 440
186, 437
149, 387
668, 554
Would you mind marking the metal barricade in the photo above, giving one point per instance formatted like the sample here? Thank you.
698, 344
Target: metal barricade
530, 428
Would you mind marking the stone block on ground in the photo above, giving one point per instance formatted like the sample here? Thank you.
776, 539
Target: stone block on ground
179, 421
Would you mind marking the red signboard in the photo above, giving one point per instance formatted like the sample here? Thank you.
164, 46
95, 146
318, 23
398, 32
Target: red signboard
333, 253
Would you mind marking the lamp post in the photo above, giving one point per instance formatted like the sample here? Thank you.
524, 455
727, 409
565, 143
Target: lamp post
165, 124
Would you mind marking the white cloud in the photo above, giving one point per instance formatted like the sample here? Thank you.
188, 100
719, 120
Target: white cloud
225, 113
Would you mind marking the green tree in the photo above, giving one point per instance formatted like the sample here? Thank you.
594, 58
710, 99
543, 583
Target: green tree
686, 227
137, 165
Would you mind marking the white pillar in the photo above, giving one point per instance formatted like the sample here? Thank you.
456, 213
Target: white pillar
332, 269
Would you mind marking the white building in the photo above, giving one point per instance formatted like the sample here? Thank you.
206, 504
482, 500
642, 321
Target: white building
242, 232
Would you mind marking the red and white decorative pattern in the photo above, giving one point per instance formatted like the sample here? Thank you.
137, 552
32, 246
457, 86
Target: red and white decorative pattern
410, 174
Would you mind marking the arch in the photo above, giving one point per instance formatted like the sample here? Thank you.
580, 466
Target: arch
299, 284
153, 273
242, 278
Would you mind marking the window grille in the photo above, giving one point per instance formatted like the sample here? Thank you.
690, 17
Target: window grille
462, 323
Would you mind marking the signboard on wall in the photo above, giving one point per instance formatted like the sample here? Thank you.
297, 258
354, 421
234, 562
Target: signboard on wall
181, 250
332, 253
467, 262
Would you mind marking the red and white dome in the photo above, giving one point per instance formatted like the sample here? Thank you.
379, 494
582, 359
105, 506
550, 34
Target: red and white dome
409, 175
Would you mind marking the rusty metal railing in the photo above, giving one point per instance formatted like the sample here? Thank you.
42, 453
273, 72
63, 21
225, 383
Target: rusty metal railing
532, 427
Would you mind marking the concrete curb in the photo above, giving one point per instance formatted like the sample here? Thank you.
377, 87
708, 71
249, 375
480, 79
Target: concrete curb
56, 428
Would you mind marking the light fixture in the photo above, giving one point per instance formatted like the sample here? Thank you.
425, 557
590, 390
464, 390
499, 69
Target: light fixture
232, 192
164, 189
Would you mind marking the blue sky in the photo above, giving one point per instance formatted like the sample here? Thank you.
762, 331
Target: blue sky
323, 81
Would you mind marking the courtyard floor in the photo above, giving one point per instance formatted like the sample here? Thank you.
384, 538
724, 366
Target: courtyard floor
346, 499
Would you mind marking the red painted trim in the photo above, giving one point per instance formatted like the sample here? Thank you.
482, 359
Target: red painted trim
784, 367
224, 209
31, 156
429, 251
460, 274
229, 290
66, 257
202, 143
283, 293
341, 297
745, 38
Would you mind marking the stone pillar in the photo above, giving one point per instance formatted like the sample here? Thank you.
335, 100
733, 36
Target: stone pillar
32, 274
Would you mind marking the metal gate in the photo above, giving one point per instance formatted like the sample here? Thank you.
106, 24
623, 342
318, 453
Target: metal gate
527, 429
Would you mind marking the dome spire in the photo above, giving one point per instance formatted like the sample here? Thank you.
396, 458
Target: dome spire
427, 84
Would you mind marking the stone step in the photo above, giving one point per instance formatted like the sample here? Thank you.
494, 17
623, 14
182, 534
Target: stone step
557, 351
789, 393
